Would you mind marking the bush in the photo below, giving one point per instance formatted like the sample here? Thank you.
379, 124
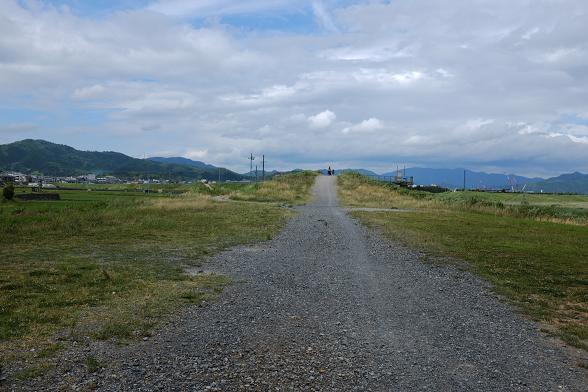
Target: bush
8, 191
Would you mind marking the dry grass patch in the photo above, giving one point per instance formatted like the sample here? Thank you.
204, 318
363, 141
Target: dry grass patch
290, 188
186, 201
359, 191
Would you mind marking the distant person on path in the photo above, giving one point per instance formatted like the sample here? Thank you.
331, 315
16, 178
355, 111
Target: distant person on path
333, 171
329, 171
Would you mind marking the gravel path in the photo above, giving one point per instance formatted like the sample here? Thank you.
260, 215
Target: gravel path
329, 305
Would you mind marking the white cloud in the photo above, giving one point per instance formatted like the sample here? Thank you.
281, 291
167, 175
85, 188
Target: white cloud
322, 119
445, 73
477, 123
525, 129
371, 53
369, 125
17, 128
560, 54
196, 154
579, 139
264, 131
417, 140
385, 77
408, 77
530, 33
266, 96
160, 102
323, 16
89, 92
480, 92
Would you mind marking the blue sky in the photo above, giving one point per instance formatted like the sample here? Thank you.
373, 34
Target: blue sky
95, 8
495, 85
287, 16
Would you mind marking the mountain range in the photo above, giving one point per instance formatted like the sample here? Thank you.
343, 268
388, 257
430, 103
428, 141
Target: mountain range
566, 183
182, 161
48, 158
52, 159
453, 178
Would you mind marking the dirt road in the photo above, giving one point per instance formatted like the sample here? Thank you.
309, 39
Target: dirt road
329, 305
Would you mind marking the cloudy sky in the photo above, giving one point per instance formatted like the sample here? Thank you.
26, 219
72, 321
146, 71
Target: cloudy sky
497, 85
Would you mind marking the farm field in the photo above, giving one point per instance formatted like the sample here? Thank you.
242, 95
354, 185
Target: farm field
535, 256
292, 188
566, 201
112, 265
128, 187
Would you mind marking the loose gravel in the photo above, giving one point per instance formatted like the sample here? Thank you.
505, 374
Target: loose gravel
331, 306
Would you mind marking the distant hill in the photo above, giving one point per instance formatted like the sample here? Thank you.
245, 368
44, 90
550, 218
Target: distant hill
453, 178
566, 183
268, 173
60, 160
182, 161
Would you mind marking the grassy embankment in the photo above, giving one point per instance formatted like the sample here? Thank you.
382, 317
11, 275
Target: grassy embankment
290, 189
536, 255
110, 265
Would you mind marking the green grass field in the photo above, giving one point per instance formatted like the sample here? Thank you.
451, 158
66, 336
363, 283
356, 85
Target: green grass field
130, 187
572, 202
291, 189
570, 209
110, 265
539, 264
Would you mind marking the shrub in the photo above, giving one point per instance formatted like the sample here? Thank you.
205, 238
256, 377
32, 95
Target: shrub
8, 191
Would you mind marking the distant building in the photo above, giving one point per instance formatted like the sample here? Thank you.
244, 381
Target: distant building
107, 180
15, 177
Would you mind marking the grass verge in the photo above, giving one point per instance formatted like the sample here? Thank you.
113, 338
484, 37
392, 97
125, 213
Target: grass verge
291, 188
540, 265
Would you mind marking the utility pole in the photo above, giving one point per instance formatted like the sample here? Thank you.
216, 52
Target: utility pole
148, 179
251, 158
256, 174
263, 168
464, 180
